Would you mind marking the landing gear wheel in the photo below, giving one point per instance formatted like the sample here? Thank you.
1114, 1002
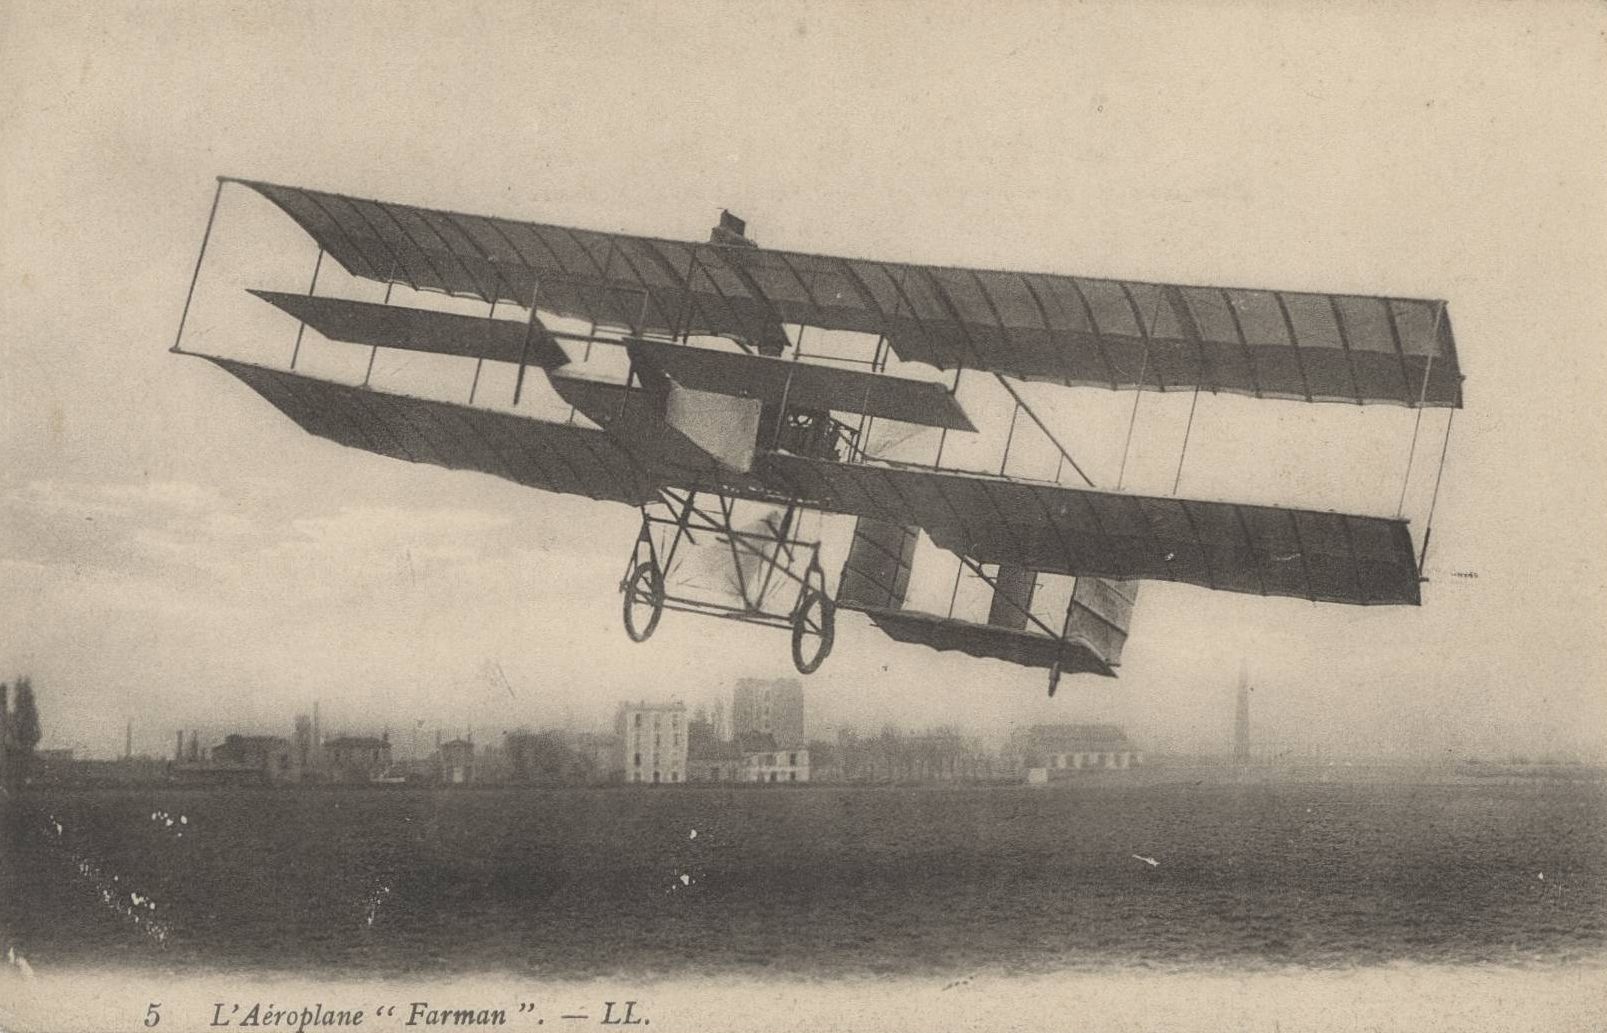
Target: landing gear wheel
814, 628
644, 601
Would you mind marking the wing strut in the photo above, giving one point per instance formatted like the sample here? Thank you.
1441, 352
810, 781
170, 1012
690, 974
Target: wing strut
524, 353
1132, 421
1022, 402
1422, 395
1187, 431
1428, 527
479, 360
199, 258
373, 349
312, 288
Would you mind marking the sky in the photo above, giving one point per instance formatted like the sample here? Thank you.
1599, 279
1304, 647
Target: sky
174, 553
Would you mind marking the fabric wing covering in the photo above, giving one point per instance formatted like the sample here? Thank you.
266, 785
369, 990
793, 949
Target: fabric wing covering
1071, 330
1073, 654
1327, 557
551, 456
1101, 613
802, 385
422, 330
1306, 554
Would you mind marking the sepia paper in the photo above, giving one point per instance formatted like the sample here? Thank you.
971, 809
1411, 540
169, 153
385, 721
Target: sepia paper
1326, 816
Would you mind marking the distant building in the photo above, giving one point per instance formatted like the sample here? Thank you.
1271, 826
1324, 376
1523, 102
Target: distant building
190, 766
776, 707
777, 765
357, 758
702, 735
712, 759
1075, 747
764, 761
268, 755
237, 760
455, 762
652, 742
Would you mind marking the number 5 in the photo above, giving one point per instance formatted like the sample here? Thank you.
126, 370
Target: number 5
152, 1016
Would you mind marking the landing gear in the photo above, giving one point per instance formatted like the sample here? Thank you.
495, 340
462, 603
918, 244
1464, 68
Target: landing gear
644, 600
764, 557
814, 623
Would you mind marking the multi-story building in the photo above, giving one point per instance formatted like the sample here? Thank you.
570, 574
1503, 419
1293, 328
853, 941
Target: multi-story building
652, 742
773, 707
702, 736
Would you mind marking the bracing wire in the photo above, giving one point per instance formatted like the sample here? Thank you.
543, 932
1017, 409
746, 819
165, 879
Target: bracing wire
1143, 372
1422, 398
1434, 500
1187, 430
479, 361
1132, 420
1023, 406
373, 351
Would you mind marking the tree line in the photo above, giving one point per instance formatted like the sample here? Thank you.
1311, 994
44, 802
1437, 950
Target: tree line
19, 732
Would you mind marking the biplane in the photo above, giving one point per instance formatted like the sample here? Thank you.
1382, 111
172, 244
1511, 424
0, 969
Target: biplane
729, 432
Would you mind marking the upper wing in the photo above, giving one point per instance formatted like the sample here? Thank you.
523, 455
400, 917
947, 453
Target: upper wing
1068, 329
